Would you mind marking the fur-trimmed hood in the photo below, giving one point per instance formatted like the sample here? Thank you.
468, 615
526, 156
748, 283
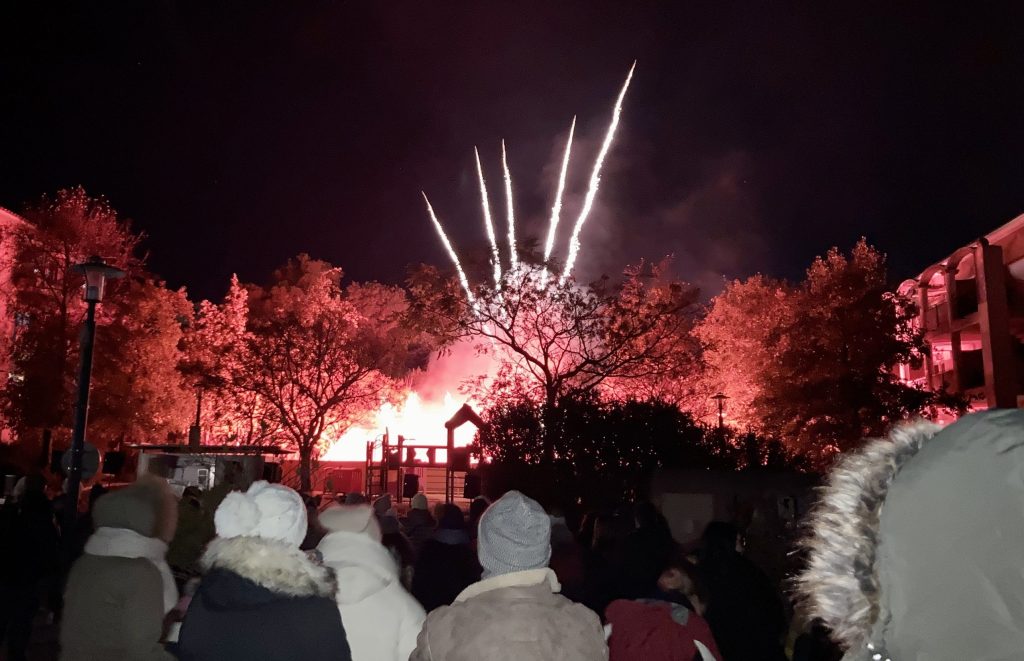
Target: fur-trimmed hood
277, 567
915, 546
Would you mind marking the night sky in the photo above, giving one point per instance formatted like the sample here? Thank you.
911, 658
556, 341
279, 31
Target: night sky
755, 135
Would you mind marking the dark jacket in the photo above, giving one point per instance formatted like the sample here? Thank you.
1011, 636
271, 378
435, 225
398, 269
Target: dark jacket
262, 600
446, 566
744, 609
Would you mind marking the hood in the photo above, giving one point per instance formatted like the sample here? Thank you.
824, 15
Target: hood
915, 546
274, 570
362, 566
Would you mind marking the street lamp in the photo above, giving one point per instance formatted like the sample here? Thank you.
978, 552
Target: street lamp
720, 397
96, 274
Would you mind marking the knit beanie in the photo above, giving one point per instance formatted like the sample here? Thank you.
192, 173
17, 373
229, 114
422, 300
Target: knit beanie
419, 501
514, 535
269, 511
133, 508
351, 518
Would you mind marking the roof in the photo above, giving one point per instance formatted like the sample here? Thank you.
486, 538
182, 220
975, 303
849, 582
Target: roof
174, 448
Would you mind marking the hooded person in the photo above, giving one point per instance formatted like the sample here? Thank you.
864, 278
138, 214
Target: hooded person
381, 618
447, 563
515, 612
915, 547
419, 524
261, 597
744, 608
120, 590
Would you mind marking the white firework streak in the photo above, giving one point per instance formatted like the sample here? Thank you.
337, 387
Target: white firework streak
451, 251
556, 210
513, 257
595, 178
488, 223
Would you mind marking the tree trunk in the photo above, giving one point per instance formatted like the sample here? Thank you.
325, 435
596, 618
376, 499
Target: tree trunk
305, 468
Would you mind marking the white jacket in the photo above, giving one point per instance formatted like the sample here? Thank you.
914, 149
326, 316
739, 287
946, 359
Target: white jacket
381, 619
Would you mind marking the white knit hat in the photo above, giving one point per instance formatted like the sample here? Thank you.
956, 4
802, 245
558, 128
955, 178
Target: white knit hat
514, 535
351, 518
268, 511
419, 501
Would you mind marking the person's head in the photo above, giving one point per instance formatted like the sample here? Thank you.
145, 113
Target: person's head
419, 502
894, 527
389, 524
606, 532
383, 506
190, 493
354, 498
720, 540
438, 510
477, 507
647, 517
681, 576
514, 535
355, 519
136, 507
272, 512
450, 518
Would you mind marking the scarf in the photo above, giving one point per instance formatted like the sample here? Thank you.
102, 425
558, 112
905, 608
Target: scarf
125, 543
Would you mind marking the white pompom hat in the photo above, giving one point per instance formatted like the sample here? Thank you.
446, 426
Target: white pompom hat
269, 511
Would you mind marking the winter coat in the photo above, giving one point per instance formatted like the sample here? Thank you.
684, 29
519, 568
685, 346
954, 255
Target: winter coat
261, 599
512, 617
113, 609
418, 526
655, 630
381, 619
915, 551
446, 566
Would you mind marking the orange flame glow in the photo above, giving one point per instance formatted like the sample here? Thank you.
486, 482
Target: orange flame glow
420, 422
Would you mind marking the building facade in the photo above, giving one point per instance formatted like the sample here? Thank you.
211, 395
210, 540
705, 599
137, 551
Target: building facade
971, 308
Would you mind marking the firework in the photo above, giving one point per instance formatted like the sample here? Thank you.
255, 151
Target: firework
513, 257
488, 223
463, 280
556, 210
595, 178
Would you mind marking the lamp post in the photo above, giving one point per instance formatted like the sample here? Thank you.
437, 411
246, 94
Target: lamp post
96, 274
720, 397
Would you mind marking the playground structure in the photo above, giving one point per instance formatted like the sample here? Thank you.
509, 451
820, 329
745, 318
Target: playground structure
389, 464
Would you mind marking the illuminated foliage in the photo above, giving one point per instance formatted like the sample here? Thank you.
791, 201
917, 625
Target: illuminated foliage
555, 341
139, 326
320, 357
812, 363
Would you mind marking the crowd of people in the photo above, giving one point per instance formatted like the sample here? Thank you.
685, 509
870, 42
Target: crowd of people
259, 571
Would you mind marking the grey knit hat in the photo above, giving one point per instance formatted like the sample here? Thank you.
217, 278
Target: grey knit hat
135, 507
514, 535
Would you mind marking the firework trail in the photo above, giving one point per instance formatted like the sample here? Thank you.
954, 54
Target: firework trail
513, 257
488, 223
556, 210
451, 251
595, 178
